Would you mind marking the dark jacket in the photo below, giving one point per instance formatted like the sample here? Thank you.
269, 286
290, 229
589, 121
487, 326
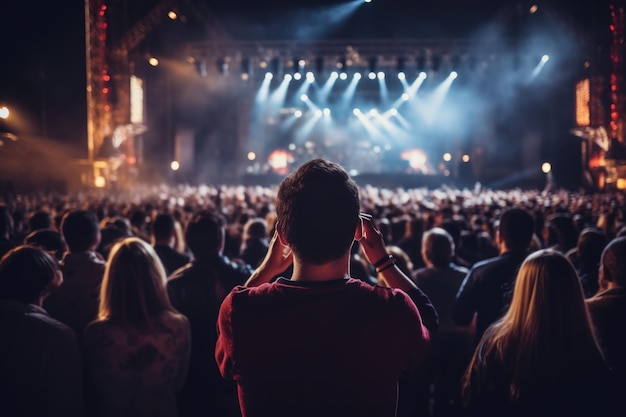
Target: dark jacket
197, 291
40, 364
487, 290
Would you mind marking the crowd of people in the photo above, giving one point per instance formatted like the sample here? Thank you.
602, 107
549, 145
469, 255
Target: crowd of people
318, 296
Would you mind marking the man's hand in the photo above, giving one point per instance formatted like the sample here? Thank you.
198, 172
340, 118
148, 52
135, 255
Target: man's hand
371, 240
277, 259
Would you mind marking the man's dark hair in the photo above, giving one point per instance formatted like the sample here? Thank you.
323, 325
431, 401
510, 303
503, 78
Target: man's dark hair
49, 240
516, 228
591, 243
204, 234
40, 220
317, 209
80, 229
163, 226
614, 261
438, 247
25, 274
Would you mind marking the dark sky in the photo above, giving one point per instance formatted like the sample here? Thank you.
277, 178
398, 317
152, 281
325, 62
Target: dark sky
42, 72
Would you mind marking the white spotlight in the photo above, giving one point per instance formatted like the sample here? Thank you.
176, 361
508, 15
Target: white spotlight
268, 76
447, 156
288, 77
423, 75
371, 76
453, 75
356, 112
327, 112
310, 76
297, 76
318, 113
381, 75
298, 114
304, 97
546, 167
393, 112
405, 97
368, 1
334, 75
357, 75
401, 76
343, 76
174, 165
545, 58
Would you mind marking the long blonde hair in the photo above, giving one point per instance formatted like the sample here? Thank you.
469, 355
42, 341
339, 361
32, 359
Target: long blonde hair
546, 334
133, 290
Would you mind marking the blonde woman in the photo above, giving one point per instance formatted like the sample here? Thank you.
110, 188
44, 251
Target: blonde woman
542, 357
138, 349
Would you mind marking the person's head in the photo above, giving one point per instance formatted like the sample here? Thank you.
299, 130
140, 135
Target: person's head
49, 240
256, 228
205, 234
317, 209
437, 247
164, 228
546, 327
613, 262
81, 230
591, 243
133, 289
40, 219
516, 228
28, 274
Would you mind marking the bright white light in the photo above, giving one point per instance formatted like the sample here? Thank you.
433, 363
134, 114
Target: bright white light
533, 9
376, 149
172, 15
372, 75
447, 156
304, 97
353, 172
292, 147
545, 58
357, 75
245, 76
174, 165
334, 75
546, 167
423, 75
288, 77
302, 62
373, 112
453, 75
393, 112
356, 112
251, 156
368, 1
310, 76
381, 75
405, 97
298, 114
318, 113
263, 64
100, 181
268, 76
343, 76
4, 112
466, 158
401, 76
153, 61
297, 76
327, 112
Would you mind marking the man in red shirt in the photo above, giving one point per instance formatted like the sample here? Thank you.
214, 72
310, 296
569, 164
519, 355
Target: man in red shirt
321, 343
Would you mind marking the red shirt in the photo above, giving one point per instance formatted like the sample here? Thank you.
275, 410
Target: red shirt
333, 348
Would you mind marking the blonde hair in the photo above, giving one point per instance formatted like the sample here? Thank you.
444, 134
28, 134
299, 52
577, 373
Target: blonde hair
133, 289
546, 332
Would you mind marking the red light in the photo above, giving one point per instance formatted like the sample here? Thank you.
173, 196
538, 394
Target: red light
106, 77
105, 90
614, 115
107, 107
